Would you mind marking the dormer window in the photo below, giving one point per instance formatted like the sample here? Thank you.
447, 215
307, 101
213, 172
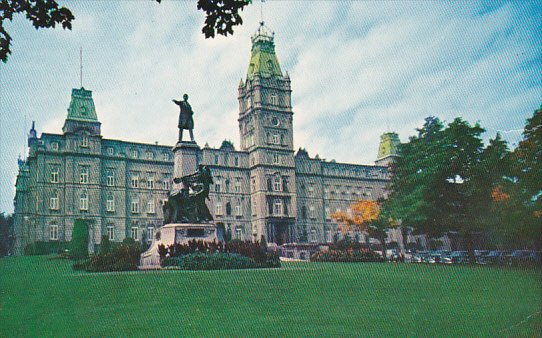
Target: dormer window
149, 155
110, 151
133, 153
54, 146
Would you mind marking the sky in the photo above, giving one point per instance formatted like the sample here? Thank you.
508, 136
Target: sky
358, 69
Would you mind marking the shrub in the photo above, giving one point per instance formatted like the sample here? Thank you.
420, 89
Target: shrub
210, 261
45, 248
79, 242
351, 255
105, 246
123, 257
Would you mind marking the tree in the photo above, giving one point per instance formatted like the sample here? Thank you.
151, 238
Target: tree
6, 238
220, 17
80, 238
443, 180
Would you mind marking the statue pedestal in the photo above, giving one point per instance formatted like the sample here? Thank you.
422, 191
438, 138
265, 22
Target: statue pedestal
175, 233
186, 160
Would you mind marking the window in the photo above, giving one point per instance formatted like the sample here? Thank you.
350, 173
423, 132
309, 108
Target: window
239, 233
312, 212
135, 206
150, 234
134, 233
328, 236
238, 210
84, 141
110, 203
274, 100
251, 139
110, 151
54, 146
253, 206
133, 153
218, 184
54, 203
228, 208
236, 161
277, 183
276, 158
110, 179
150, 182
149, 155
218, 208
216, 159
313, 236
166, 183
53, 232
151, 209
110, 232
135, 181
311, 190
83, 177
277, 207
83, 202
54, 175
165, 156
276, 139
253, 184
328, 213
237, 186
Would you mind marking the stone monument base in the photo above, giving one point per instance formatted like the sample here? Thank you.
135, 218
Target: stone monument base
175, 233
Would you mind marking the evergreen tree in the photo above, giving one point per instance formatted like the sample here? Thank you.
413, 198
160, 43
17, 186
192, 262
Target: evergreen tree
80, 238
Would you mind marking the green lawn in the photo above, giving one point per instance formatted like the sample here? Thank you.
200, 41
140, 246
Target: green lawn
41, 297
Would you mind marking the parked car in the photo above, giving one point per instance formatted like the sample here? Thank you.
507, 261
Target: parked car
459, 257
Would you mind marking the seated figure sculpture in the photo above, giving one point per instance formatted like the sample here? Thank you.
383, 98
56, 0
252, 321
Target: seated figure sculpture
187, 205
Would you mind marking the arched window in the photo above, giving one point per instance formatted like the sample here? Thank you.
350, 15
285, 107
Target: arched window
303, 212
110, 203
83, 202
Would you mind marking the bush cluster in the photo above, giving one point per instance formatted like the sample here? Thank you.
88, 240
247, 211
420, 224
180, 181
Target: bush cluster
256, 252
210, 261
350, 255
121, 257
45, 248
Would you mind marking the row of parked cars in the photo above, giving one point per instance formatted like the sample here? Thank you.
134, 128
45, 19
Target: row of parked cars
496, 257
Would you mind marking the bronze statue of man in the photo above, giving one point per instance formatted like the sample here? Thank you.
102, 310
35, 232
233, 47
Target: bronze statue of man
185, 117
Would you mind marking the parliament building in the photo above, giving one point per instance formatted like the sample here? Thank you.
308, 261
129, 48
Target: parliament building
264, 188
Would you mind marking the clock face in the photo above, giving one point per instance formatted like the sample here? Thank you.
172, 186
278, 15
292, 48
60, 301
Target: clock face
275, 121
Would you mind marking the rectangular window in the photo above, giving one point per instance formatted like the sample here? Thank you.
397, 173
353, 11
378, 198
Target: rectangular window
277, 207
236, 161
83, 202
110, 232
217, 185
54, 203
54, 175
151, 207
239, 234
311, 190
54, 146
313, 236
216, 159
83, 177
312, 212
150, 234
135, 206
328, 213
150, 182
237, 186
110, 181
253, 206
238, 210
149, 155
135, 234
276, 158
134, 182
110, 204
218, 208
276, 139
166, 184
110, 151
277, 183
165, 157
84, 141
53, 232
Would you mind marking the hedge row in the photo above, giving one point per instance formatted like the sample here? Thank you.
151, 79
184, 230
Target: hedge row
210, 261
121, 257
45, 248
351, 255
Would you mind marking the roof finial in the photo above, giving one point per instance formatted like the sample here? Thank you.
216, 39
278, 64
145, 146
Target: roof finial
81, 66
261, 12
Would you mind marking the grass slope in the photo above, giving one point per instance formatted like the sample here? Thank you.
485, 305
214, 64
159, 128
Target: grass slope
41, 297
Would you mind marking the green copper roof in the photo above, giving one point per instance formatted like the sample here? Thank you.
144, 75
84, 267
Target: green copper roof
82, 106
388, 145
263, 60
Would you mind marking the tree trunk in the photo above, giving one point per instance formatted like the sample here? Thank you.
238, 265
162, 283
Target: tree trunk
469, 241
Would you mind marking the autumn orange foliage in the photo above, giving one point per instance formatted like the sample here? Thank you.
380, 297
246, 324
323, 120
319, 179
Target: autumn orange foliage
362, 212
498, 195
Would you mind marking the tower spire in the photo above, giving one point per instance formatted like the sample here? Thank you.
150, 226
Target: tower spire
81, 66
261, 12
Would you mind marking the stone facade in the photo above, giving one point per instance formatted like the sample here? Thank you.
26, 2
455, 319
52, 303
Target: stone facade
264, 188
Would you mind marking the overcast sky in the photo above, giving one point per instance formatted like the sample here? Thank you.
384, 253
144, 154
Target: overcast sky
358, 69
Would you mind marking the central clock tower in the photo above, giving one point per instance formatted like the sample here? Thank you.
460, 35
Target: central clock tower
266, 133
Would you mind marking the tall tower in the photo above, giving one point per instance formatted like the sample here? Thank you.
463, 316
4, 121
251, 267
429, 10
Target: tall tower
265, 127
387, 150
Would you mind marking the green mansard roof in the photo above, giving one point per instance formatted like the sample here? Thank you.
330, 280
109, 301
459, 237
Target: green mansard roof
388, 145
82, 106
263, 60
